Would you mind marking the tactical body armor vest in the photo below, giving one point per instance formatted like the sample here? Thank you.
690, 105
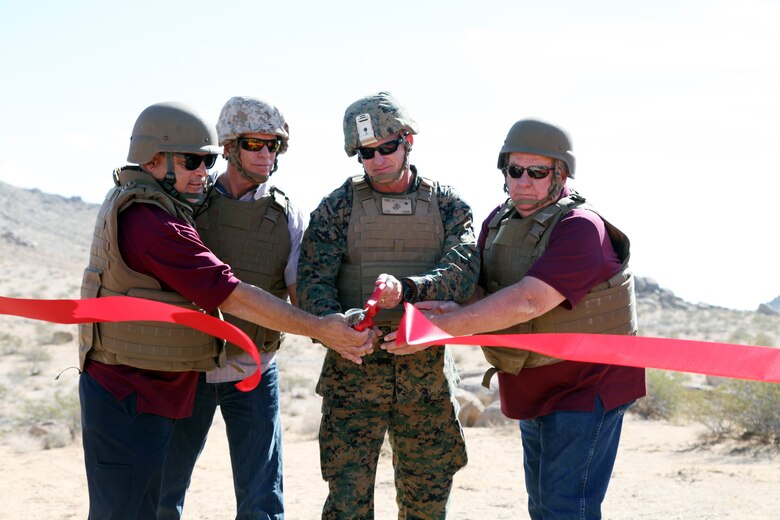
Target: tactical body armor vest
511, 248
398, 234
253, 238
146, 345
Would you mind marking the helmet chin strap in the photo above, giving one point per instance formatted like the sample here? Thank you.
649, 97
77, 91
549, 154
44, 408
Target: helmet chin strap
254, 178
169, 181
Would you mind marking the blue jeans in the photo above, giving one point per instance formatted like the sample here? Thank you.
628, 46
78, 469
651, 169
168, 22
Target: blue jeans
255, 439
568, 461
123, 454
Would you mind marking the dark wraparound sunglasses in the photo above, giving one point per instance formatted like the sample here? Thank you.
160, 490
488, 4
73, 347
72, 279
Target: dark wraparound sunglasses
192, 161
255, 144
384, 149
535, 172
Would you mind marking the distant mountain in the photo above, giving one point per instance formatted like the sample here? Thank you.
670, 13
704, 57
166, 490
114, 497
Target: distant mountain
44, 243
48, 231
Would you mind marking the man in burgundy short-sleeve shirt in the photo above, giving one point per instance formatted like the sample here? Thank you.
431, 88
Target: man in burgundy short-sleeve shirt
547, 258
137, 380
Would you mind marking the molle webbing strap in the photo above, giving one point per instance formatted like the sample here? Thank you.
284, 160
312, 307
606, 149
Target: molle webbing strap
253, 238
148, 345
609, 308
403, 244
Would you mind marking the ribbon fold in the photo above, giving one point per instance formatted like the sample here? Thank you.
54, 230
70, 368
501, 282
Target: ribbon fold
126, 308
755, 363
370, 309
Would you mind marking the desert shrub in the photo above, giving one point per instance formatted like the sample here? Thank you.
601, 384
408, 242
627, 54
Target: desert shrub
665, 393
37, 355
292, 380
63, 408
739, 409
9, 344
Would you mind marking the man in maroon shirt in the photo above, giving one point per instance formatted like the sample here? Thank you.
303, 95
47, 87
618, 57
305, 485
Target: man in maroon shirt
552, 264
138, 378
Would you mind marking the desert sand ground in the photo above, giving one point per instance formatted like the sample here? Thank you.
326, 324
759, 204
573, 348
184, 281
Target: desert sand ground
664, 471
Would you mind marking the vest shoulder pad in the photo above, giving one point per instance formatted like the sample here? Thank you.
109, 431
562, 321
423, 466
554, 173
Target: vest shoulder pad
280, 199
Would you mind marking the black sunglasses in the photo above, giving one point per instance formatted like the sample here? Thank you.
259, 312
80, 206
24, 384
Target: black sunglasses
255, 144
384, 149
535, 172
192, 161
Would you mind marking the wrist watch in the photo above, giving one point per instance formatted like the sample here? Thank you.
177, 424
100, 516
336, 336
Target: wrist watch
410, 291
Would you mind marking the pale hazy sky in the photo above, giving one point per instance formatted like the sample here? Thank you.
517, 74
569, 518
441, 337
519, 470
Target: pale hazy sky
671, 105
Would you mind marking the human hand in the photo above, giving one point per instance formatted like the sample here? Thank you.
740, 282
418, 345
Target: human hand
337, 335
429, 309
395, 346
393, 292
434, 307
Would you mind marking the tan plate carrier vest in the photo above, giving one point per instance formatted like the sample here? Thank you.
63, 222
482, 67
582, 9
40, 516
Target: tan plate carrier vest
511, 248
253, 238
397, 234
148, 345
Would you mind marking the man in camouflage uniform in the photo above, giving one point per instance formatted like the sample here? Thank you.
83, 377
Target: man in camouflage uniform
388, 225
251, 226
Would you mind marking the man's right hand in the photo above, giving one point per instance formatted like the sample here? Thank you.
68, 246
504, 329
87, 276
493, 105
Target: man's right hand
349, 343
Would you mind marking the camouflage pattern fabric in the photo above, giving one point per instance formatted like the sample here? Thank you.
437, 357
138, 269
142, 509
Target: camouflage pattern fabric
385, 117
245, 115
385, 378
407, 396
428, 448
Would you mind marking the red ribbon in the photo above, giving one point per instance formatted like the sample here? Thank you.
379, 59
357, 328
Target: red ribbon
371, 308
701, 357
125, 308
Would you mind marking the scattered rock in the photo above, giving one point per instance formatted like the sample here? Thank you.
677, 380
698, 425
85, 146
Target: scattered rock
470, 407
61, 337
492, 416
52, 434
473, 385
12, 238
767, 309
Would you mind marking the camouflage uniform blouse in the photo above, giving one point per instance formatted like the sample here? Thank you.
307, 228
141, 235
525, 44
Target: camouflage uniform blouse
424, 376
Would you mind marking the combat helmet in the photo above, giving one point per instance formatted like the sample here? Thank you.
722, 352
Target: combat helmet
539, 138
373, 118
247, 115
170, 127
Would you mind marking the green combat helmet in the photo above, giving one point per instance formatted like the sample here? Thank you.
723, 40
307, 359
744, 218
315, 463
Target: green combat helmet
373, 118
539, 138
170, 127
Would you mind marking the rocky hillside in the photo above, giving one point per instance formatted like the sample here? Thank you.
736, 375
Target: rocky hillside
44, 243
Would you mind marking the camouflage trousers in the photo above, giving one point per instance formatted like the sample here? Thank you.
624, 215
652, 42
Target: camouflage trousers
428, 448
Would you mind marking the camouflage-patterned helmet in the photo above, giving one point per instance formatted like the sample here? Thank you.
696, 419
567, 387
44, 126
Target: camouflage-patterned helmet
248, 115
373, 118
539, 138
170, 127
